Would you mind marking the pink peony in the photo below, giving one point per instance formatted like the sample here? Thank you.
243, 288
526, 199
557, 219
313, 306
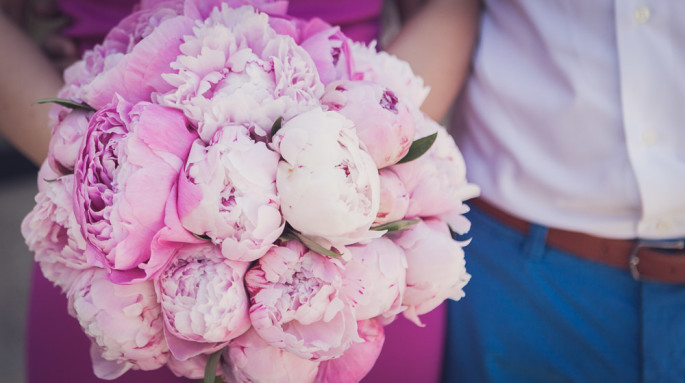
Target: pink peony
325, 174
250, 358
436, 181
95, 62
389, 71
374, 278
287, 26
125, 173
202, 9
383, 122
141, 23
79, 74
138, 74
358, 360
46, 175
123, 321
191, 368
111, 67
77, 77
297, 303
52, 233
394, 198
66, 139
437, 270
328, 47
203, 300
228, 192
235, 70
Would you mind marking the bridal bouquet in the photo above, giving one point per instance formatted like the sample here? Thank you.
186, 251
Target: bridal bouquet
235, 190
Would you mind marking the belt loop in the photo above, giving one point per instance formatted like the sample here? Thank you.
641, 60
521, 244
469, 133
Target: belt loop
534, 246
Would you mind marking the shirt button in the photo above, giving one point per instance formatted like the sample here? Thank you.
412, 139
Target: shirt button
663, 226
641, 15
649, 137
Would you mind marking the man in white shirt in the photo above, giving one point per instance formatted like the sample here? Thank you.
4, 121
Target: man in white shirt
573, 124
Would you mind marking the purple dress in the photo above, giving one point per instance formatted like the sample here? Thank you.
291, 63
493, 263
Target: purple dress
57, 348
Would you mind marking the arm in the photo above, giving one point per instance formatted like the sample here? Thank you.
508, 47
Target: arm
25, 76
438, 40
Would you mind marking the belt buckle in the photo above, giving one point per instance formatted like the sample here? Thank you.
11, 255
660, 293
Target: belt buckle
634, 259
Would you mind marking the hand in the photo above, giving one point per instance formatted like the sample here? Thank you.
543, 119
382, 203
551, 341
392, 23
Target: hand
13, 9
47, 18
61, 50
42, 20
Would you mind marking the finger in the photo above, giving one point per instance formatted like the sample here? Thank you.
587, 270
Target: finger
60, 47
45, 8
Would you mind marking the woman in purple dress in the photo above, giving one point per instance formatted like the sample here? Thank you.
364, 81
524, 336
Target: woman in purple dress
57, 348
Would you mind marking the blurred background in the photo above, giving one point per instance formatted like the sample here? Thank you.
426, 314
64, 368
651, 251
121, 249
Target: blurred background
17, 189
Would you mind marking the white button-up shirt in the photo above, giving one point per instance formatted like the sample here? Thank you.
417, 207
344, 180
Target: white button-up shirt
575, 114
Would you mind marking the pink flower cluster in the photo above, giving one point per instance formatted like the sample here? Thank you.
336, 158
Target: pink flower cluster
222, 188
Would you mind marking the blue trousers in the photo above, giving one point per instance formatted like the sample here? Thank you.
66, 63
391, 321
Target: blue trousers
536, 314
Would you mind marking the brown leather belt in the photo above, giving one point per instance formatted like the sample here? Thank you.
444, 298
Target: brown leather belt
659, 261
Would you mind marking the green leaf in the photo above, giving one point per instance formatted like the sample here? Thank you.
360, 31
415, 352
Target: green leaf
203, 237
276, 126
313, 246
210, 367
419, 148
67, 103
286, 236
396, 225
